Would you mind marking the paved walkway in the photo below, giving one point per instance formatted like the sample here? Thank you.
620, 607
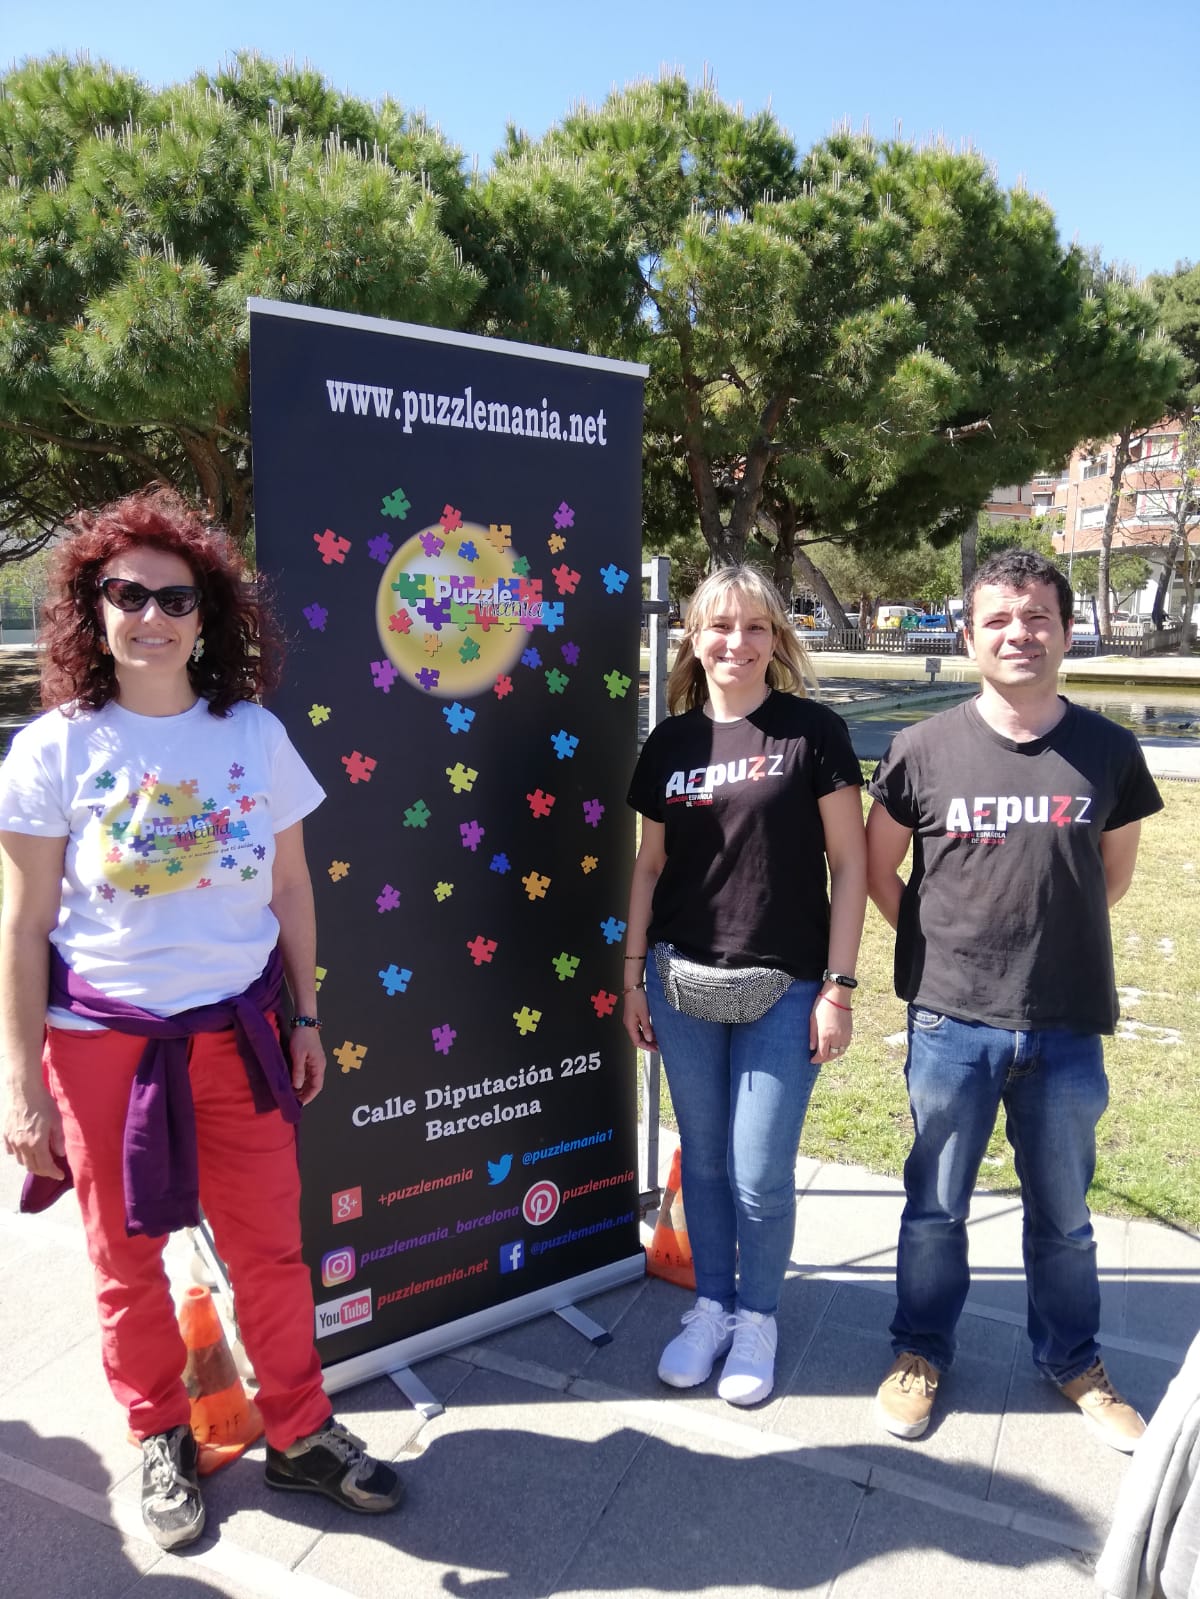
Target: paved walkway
562, 1468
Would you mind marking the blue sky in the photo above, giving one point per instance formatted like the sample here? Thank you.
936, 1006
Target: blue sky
1087, 100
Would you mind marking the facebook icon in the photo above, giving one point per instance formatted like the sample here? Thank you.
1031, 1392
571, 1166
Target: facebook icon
512, 1256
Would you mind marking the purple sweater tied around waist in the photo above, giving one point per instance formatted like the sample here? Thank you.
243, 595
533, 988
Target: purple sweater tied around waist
162, 1185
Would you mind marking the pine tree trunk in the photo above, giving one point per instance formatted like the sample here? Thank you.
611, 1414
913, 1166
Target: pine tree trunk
970, 551
1121, 458
821, 587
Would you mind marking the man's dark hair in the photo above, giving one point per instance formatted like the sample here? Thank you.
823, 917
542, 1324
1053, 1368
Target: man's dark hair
1018, 569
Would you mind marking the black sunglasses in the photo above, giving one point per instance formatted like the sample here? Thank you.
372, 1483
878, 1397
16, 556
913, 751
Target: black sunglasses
180, 599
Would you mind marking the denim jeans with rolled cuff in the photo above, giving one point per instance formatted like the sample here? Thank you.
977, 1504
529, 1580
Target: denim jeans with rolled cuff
1054, 1091
740, 1091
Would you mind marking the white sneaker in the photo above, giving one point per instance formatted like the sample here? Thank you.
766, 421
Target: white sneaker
707, 1334
749, 1373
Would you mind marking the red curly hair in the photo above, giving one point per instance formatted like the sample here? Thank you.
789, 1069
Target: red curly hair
243, 654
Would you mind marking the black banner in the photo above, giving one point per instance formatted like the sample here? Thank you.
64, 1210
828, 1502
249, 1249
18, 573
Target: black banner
451, 527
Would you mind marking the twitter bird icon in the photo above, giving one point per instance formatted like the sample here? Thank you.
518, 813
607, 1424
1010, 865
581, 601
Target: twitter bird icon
498, 1170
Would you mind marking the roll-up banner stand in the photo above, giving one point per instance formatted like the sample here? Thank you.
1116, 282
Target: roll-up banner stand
451, 528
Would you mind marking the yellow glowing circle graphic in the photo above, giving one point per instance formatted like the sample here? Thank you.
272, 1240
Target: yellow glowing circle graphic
447, 610
157, 849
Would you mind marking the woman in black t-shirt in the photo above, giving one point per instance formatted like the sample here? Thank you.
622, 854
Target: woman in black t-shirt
747, 792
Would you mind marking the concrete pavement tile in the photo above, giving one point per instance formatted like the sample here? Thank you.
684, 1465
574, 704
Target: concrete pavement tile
506, 1487
871, 1311
1163, 1266
1047, 1454
905, 1549
47, 1551
46, 1306
713, 1520
832, 1403
48, 1416
549, 1341
848, 1217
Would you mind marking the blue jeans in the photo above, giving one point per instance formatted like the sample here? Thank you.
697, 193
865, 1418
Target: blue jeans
1054, 1091
740, 1092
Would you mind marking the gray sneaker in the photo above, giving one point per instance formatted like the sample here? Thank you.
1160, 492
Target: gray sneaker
171, 1504
333, 1462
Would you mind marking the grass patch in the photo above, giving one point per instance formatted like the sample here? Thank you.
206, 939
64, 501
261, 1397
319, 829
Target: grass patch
1146, 1163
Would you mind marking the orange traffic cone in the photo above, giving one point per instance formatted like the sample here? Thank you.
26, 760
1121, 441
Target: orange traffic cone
670, 1254
224, 1420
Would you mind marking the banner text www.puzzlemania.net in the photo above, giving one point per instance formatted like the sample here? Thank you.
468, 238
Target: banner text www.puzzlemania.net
421, 408
458, 1275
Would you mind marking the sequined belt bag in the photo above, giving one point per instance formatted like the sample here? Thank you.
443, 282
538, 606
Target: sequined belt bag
718, 993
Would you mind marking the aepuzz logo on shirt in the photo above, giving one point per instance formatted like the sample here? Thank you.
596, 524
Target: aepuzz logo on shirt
696, 786
993, 814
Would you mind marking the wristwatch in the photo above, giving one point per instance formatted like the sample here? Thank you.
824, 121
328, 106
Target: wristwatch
840, 979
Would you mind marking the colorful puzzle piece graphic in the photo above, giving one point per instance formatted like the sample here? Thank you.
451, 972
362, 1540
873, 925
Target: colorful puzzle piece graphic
612, 929
531, 658
451, 519
589, 863
592, 812
502, 686
332, 547
557, 543
471, 834
349, 1056
467, 551
411, 587
521, 566
417, 814
380, 548
556, 681
615, 578
552, 615
536, 885
338, 870
318, 714
431, 544
564, 516
469, 649
442, 891
617, 684
527, 1020
501, 864
565, 965
321, 975
395, 980
429, 677
399, 622
462, 778
458, 717
359, 767
443, 1038
566, 580
499, 536
396, 504
316, 616
383, 675
565, 744
604, 1003
540, 804
432, 644
388, 898
481, 949
570, 653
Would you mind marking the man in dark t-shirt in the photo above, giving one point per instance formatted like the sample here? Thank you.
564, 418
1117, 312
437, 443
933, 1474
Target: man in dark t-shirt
1023, 814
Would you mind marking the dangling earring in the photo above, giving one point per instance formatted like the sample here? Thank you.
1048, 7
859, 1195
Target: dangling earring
197, 654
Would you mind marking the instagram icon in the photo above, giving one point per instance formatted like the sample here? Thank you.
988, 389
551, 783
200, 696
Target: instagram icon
337, 1267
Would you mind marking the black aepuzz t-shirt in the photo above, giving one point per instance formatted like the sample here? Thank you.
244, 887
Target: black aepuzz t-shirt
745, 879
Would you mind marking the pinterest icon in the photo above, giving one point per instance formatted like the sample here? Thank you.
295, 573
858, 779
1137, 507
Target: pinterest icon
540, 1203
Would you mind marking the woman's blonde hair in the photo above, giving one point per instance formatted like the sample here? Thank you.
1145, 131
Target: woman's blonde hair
789, 670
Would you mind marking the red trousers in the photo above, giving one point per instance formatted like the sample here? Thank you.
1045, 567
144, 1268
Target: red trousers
250, 1193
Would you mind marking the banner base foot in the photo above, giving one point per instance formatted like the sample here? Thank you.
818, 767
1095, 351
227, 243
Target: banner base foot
415, 1391
591, 1330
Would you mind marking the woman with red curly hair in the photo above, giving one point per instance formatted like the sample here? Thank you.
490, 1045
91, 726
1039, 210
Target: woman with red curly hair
156, 897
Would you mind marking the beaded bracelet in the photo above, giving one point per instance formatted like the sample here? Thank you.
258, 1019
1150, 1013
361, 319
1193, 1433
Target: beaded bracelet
305, 1021
635, 957
634, 988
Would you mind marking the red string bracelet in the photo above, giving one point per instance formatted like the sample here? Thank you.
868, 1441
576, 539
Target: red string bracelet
847, 1008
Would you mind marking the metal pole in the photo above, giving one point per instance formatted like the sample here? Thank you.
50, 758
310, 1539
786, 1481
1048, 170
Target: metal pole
657, 571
